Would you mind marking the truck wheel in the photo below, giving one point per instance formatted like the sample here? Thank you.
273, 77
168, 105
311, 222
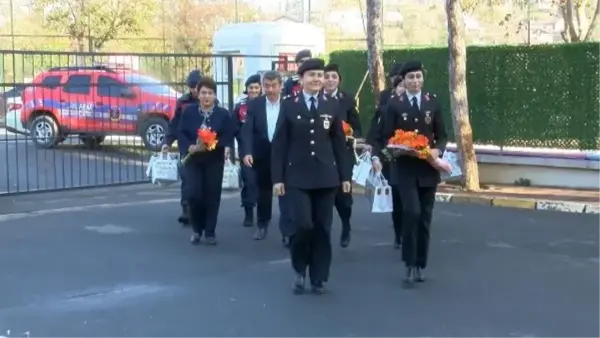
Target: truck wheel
153, 132
44, 132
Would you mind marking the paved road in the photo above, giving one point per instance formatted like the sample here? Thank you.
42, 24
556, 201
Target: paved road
23, 167
129, 271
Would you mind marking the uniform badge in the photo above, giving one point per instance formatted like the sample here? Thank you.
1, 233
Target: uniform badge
326, 122
404, 116
243, 112
114, 114
428, 117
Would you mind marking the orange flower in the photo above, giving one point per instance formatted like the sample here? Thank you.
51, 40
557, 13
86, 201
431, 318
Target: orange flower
208, 138
412, 140
347, 129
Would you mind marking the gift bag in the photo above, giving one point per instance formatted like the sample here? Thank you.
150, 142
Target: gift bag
163, 169
379, 193
360, 171
453, 161
231, 175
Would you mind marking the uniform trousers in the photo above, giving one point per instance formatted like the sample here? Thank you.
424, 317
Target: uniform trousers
417, 208
249, 193
285, 216
203, 188
310, 244
264, 191
184, 202
343, 205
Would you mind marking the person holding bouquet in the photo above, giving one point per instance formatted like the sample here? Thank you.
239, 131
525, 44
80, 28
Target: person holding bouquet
308, 165
206, 134
352, 129
413, 129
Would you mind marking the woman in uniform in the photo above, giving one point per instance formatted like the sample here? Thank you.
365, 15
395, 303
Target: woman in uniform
204, 167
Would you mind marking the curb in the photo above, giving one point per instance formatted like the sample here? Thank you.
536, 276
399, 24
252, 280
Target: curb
520, 203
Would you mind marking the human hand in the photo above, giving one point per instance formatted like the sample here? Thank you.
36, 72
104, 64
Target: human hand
376, 165
248, 161
346, 187
227, 153
279, 189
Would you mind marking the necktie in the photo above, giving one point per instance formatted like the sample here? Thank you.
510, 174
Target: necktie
415, 104
313, 106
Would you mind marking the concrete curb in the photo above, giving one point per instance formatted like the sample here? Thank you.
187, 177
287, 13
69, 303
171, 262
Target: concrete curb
521, 203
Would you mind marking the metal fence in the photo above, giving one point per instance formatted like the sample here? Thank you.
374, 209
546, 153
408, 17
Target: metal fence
94, 119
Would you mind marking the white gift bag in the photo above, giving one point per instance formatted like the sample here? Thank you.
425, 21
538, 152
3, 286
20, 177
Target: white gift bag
360, 171
452, 159
163, 169
379, 193
231, 173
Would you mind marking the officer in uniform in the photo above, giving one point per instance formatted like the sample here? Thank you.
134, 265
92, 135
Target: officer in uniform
348, 113
188, 98
204, 168
384, 96
308, 165
414, 179
292, 85
249, 191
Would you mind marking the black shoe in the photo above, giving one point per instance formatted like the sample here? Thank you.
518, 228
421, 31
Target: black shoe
409, 280
298, 286
195, 239
317, 288
419, 276
260, 234
184, 220
345, 238
285, 241
398, 243
211, 240
249, 217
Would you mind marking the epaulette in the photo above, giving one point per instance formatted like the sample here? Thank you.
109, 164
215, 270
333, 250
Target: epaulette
428, 95
295, 77
290, 96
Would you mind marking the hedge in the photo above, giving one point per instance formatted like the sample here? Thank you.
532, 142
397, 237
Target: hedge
523, 96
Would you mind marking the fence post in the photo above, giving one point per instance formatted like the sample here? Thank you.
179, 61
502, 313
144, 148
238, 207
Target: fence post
230, 95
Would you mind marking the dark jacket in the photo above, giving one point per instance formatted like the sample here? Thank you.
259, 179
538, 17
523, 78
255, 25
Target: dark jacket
428, 121
309, 150
182, 103
219, 121
384, 96
291, 86
255, 132
240, 113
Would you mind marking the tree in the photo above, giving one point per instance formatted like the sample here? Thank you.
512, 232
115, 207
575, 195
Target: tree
98, 20
457, 69
374, 49
577, 25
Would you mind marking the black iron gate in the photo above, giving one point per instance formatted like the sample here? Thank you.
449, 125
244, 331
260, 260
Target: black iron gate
94, 119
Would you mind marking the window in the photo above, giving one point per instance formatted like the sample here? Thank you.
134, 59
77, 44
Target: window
51, 81
110, 87
150, 85
78, 84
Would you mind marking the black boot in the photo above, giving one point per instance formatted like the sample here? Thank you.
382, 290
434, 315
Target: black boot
419, 276
317, 288
184, 219
345, 238
397, 242
249, 217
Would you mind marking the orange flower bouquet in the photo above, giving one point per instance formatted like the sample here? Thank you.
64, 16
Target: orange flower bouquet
348, 131
206, 137
410, 140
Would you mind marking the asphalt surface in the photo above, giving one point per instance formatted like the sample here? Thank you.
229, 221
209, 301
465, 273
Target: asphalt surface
24, 167
102, 269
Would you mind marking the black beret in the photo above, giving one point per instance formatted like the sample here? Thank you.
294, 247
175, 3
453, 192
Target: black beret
397, 81
305, 53
411, 66
332, 67
396, 67
311, 64
193, 78
252, 79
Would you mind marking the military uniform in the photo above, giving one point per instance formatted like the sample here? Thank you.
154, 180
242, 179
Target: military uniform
204, 170
347, 112
249, 193
292, 85
185, 100
309, 157
414, 179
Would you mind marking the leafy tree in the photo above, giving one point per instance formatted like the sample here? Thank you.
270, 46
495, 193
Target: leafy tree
97, 20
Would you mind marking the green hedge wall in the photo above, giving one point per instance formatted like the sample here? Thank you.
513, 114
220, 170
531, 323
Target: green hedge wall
523, 96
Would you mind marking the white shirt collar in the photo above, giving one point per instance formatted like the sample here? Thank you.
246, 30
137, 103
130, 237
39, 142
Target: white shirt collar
307, 96
273, 104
